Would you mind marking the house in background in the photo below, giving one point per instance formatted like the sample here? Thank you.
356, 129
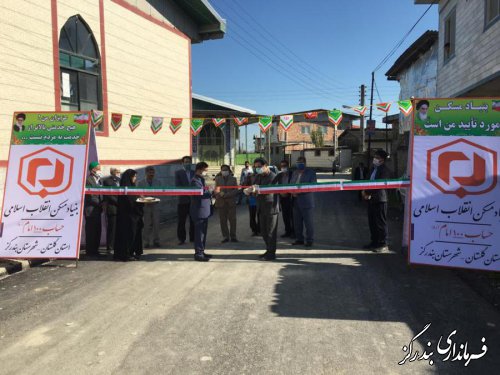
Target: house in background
120, 56
468, 53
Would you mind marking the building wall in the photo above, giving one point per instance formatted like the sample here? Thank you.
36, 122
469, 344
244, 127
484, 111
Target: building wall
477, 55
147, 72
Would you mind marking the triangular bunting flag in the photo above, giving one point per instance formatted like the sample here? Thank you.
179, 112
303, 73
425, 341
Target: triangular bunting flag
405, 106
156, 124
196, 125
360, 109
135, 121
218, 121
286, 122
96, 117
240, 120
335, 117
175, 124
311, 115
265, 123
116, 120
384, 107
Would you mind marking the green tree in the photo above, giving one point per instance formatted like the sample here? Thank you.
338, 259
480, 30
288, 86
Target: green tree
317, 138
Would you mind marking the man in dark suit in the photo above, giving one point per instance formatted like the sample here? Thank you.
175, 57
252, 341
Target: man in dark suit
377, 205
286, 200
303, 204
183, 177
93, 210
199, 211
111, 207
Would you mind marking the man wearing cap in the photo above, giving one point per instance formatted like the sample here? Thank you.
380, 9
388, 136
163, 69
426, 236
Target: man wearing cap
111, 207
377, 205
93, 210
19, 125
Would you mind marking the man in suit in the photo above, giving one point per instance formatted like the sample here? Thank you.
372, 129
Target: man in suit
151, 211
111, 207
199, 210
361, 173
225, 202
303, 204
183, 177
268, 208
377, 205
93, 209
286, 200
19, 125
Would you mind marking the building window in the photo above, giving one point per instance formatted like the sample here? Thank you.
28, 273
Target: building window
492, 12
305, 129
317, 152
331, 152
449, 36
80, 67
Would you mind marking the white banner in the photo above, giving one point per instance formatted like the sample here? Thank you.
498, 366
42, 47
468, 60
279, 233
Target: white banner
455, 202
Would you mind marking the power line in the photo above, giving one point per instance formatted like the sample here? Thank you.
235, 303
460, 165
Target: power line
393, 51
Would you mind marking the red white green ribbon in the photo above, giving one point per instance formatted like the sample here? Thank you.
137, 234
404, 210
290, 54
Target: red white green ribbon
286, 122
218, 121
311, 115
196, 125
156, 124
116, 120
335, 117
96, 117
175, 124
240, 120
265, 123
360, 109
135, 121
384, 107
405, 106
167, 191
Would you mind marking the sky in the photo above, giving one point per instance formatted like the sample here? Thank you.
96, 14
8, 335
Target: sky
282, 56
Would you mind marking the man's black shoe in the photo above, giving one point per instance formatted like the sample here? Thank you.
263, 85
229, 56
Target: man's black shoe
309, 244
263, 255
369, 246
268, 256
201, 258
225, 240
296, 243
181, 243
234, 240
209, 256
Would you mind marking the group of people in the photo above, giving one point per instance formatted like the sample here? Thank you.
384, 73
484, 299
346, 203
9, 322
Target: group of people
127, 219
131, 225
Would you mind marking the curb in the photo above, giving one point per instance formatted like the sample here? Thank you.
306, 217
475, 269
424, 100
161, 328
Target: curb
11, 266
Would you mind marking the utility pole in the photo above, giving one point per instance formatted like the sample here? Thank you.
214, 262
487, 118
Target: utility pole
362, 119
371, 112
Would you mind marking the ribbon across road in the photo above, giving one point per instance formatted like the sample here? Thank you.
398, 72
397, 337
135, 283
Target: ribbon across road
316, 187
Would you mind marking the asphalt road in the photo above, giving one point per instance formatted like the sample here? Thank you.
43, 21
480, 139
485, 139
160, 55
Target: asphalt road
335, 309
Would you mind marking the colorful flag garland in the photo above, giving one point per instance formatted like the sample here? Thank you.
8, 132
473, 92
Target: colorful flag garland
218, 121
286, 122
265, 123
156, 124
384, 107
116, 121
360, 109
311, 115
405, 106
135, 121
240, 120
196, 125
96, 117
175, 124
335, 117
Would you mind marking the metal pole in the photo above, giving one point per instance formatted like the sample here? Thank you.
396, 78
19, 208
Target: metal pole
386, 135
246, 142
371, 111
362, 119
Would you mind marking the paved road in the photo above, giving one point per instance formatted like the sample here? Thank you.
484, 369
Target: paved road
332, 310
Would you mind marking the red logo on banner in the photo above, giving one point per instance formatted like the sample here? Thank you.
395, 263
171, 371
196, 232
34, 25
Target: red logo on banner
463, 168
45, 172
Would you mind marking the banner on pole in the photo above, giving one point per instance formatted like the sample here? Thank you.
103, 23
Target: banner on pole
44, 187
455, 205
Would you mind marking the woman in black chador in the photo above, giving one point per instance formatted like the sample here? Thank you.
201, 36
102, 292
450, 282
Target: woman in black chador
129, 223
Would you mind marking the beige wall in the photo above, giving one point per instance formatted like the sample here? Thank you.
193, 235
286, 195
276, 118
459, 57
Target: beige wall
477, 55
